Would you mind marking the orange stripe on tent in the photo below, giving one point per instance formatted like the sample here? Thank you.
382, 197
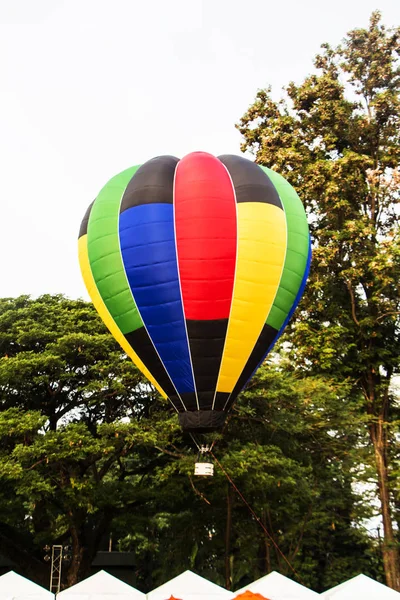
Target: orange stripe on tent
247, 595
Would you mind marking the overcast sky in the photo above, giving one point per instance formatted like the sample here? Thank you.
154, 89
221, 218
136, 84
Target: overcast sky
91, 87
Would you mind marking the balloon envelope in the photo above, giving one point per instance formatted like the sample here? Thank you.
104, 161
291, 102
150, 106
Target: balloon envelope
195, 266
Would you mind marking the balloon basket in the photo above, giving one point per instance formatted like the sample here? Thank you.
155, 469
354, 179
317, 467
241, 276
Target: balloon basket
202, 466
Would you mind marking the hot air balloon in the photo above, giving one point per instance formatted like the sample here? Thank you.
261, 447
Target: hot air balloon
195, 266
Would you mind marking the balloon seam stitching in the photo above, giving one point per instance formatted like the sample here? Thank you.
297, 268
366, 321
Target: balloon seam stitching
286, 250
113, 320
234, 281
180, 287
277, 289
137, 308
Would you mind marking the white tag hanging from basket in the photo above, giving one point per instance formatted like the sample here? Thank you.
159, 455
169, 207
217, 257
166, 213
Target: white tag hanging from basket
204, 468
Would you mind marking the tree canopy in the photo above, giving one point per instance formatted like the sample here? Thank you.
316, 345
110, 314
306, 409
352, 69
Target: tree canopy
335, 136
87, 448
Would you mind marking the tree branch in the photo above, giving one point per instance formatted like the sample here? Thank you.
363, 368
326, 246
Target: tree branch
196, 491
174, 454
353, 303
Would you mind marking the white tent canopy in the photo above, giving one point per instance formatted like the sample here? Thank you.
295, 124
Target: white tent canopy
101, 586
189, 586
16, 587
278, 587
362, 587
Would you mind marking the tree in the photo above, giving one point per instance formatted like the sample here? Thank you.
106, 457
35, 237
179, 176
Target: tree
288, 446
336, 138
301, 435
78, 430
59, 358
86, 447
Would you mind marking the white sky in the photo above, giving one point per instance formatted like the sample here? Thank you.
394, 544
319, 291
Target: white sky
91, 87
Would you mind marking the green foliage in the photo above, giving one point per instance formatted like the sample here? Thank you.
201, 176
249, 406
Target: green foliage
336, 138
288, 447
87, 448
58, 353
73, 411
342, 155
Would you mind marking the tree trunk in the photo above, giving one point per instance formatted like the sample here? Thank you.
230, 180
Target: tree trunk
390, 550
85, 538
228, 531
79, 566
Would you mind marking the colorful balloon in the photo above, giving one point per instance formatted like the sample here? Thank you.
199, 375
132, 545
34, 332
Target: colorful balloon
195, 266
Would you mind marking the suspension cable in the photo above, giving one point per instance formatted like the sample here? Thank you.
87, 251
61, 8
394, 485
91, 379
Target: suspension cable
239, 493
195, 441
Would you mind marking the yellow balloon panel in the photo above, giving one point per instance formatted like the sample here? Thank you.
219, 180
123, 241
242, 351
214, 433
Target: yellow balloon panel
105, 315
262, 233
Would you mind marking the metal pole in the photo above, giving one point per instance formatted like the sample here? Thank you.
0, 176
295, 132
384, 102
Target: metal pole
56, 564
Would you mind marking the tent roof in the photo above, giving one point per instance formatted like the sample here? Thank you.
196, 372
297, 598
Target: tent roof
13, 585
363, 587
278, 587
188, 586
101, 585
